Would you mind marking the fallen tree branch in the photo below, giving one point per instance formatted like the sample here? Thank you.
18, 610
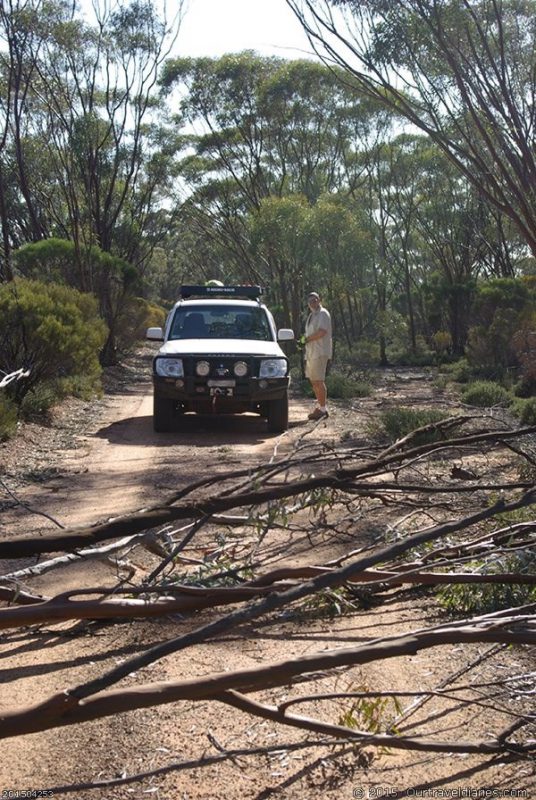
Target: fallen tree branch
39, 610
67, 708
28, 507
9, 377
281, 599
274, 714
339, 479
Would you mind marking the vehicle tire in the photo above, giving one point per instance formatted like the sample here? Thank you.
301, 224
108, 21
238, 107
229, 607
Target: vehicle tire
163, 409
278, 415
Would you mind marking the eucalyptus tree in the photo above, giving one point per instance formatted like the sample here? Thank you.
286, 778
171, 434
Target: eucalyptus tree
462, 71
436, 237
21, 22
112, 156
276, 127
264, 130
90, 157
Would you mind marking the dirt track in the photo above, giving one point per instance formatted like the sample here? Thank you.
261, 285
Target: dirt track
112, 462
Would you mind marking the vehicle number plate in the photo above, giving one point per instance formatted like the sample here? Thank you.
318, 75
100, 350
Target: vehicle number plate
228, 384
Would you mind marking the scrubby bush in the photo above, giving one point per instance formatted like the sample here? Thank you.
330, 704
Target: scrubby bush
524, 347
441, 343
484, 598
8, 417
398, 422
340, 387
136, 316
485, 394
402, 354
525, 410
111, 279
503, 307
54, 331
363, 353
459, 371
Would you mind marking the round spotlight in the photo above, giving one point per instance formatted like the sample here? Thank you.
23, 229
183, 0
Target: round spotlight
202, 368
240, 369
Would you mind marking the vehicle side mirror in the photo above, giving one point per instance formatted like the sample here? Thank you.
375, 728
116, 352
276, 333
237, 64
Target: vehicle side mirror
156, 334
285, 335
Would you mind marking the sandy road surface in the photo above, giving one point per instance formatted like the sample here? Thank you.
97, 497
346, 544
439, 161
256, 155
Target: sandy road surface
113, 463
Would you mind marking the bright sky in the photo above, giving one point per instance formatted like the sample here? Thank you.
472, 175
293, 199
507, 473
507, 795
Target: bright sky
214, 27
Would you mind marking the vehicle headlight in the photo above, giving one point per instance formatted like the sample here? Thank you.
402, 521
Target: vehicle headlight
202, 368
169, 367
240, 369
273, 368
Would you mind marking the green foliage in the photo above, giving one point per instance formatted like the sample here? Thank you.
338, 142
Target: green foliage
373, 714
483, 598
340, 387
328, 603
441, 342
399, 422
136, 316
54, 331
459, 371
503, 311
40, 399
111, 279
526, 386
43, 396
364, 353
8, 417
486, 394
525, 410
403, 352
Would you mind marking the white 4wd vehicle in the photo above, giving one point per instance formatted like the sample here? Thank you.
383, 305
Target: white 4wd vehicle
220, 356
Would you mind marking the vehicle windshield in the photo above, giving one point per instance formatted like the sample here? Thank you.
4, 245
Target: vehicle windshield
220, 322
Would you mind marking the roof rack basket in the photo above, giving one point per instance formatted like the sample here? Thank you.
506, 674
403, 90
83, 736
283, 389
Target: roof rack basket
250, 292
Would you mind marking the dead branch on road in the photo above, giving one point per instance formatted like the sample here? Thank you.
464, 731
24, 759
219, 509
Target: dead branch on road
358, 479
67, 708
460, 535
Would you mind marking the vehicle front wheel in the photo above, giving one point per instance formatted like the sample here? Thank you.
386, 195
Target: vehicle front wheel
163, 409
277, 415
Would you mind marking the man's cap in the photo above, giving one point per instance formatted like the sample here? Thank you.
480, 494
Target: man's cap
313, 294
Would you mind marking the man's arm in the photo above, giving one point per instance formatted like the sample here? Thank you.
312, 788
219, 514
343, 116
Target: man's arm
319, 334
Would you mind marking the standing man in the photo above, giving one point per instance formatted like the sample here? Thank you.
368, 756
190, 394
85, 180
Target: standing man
318, 351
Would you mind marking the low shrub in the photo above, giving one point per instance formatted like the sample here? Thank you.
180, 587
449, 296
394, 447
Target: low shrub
136, 316
398, 422
459, 371
484, 598
526, 387
363, 353
53, 331
44, 395
486, 394
38, 400
8, 418
525, 410
340, 387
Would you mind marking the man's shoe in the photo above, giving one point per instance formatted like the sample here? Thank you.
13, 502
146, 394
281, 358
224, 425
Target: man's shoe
318, 414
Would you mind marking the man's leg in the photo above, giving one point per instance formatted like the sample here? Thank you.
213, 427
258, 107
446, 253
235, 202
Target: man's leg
320, 392
319, 388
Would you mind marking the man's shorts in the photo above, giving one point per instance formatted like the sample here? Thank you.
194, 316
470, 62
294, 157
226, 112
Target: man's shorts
315, 368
